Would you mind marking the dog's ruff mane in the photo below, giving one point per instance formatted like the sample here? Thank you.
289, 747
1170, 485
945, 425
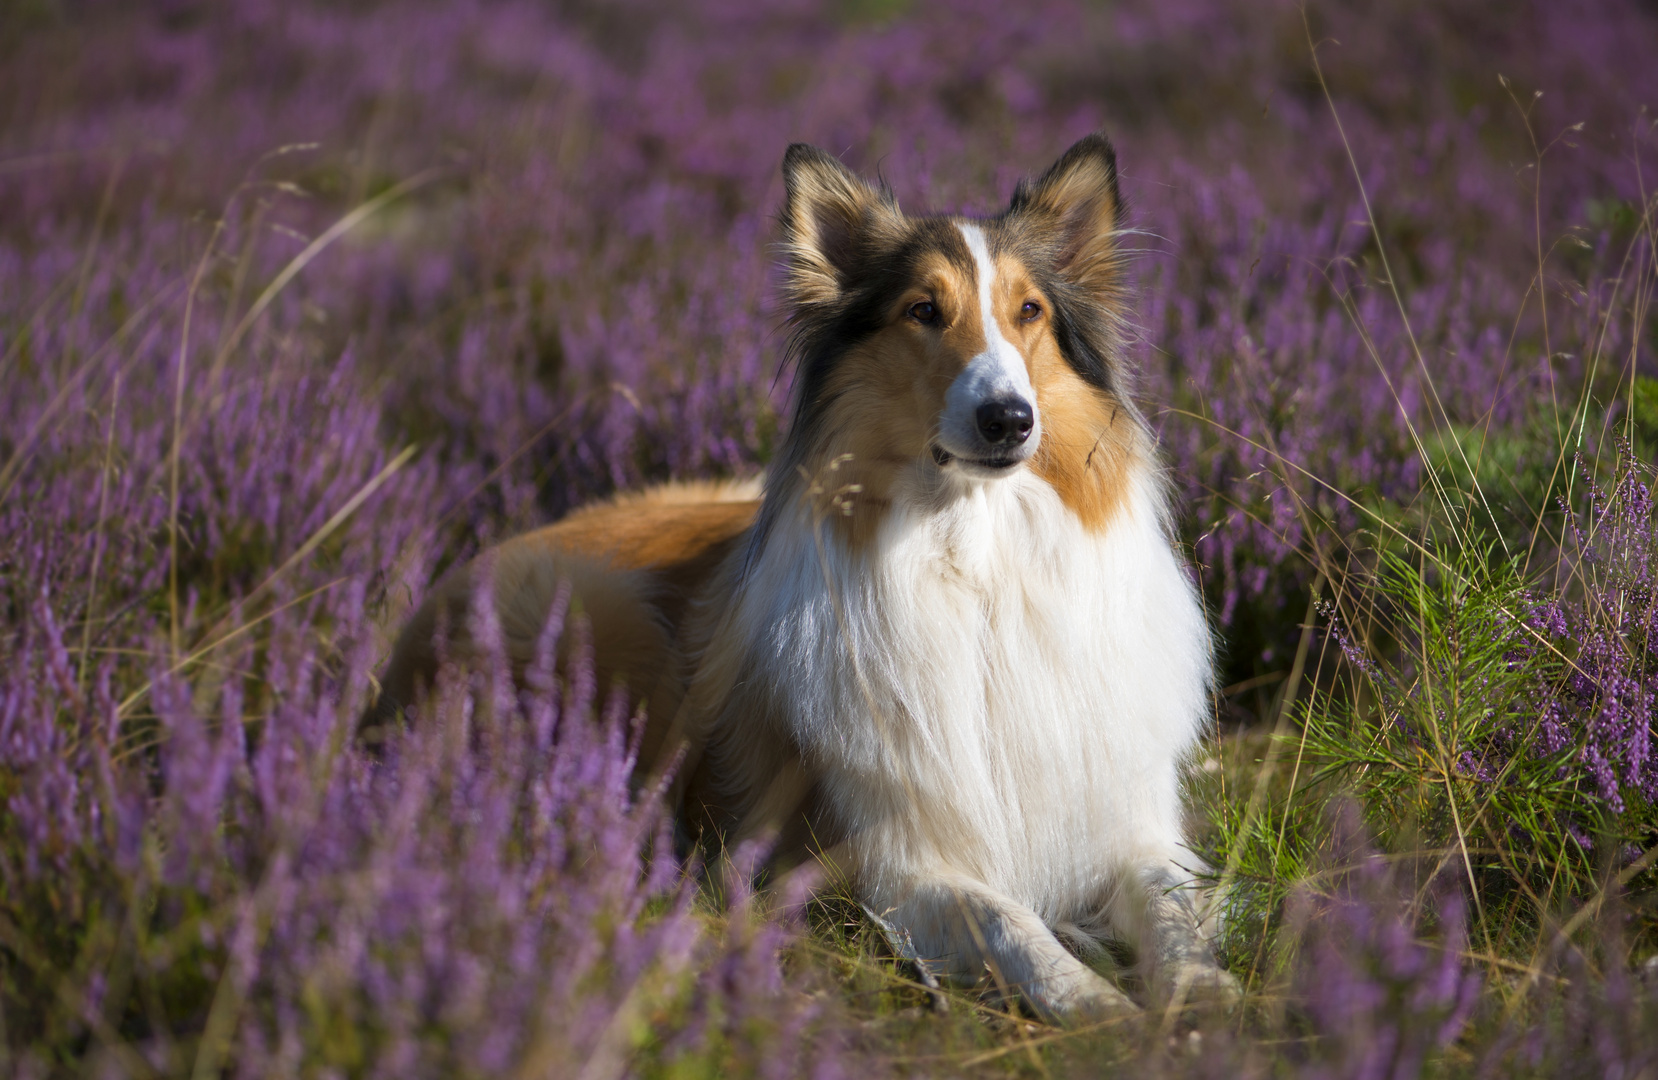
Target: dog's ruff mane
952, 649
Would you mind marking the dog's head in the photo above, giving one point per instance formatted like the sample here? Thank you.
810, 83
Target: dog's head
975, 347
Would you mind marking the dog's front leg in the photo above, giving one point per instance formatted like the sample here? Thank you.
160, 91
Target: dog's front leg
963, 927
1156, 908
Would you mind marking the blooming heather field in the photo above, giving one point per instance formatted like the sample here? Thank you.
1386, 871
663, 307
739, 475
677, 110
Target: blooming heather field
300, 303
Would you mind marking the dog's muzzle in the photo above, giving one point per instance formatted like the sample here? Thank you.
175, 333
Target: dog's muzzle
1001, 434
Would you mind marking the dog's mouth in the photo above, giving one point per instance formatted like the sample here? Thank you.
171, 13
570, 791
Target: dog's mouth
943, 457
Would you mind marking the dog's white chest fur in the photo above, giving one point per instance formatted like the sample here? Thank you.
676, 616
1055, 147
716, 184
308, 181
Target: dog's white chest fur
991, 690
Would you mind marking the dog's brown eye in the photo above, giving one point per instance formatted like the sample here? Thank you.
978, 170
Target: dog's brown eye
924, 312
1030, 311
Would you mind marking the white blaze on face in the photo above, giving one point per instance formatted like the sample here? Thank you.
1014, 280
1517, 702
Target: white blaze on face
998, 372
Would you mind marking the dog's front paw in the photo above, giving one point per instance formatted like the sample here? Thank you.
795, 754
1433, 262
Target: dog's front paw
1198, 983
1085, 998
1104, 1002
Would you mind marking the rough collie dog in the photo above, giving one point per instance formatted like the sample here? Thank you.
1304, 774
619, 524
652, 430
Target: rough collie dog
951, 647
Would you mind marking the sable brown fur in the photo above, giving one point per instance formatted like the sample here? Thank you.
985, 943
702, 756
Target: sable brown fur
632, 565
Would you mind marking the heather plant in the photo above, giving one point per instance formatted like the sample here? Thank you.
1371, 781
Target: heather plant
1487, 738
1507, 734
483, 892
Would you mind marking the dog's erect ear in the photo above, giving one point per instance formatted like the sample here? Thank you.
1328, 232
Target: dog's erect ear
1076, 208
829, 216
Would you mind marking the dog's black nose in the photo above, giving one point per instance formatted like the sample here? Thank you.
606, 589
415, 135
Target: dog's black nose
1007, 421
